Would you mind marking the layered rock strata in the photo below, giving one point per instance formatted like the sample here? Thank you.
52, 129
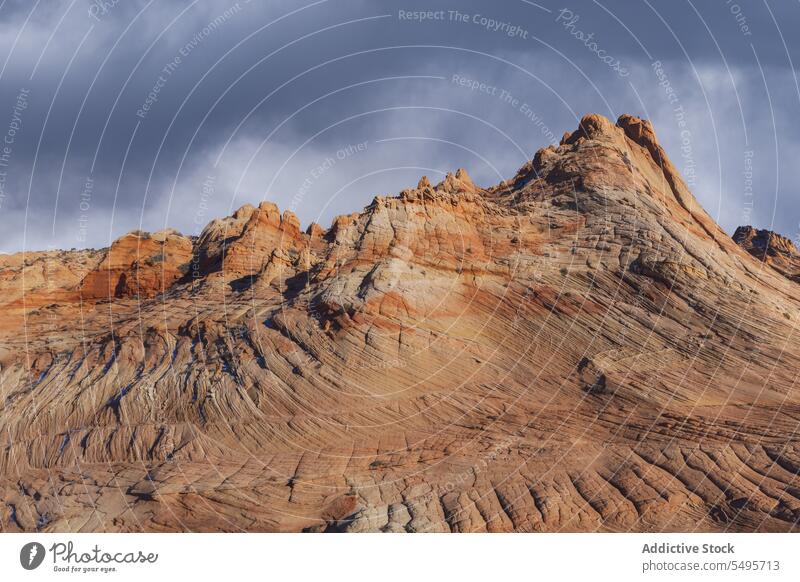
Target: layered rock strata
579, 348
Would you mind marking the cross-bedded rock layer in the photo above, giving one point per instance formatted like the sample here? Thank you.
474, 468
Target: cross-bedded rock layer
579, 348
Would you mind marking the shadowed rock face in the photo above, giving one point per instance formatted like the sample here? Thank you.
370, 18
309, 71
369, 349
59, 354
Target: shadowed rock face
773, 249
579, 348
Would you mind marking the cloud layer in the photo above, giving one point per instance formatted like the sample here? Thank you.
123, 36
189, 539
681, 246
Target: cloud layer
130, 114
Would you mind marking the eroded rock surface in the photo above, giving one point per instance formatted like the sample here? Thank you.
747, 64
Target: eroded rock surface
580, 348
139, 264
775, 250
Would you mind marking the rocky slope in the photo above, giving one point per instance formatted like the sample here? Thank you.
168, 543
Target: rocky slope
579, 348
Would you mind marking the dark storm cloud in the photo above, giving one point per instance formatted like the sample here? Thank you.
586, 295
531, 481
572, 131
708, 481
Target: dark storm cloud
130, 114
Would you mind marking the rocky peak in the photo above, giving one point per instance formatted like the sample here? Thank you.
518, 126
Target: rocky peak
641, 131
315, 231
454, 183
761, 242
241, 245
777, 251
591, 126
139, 265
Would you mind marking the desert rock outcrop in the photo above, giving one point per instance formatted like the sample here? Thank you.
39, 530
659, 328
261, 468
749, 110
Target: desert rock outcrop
579, 348
775, 250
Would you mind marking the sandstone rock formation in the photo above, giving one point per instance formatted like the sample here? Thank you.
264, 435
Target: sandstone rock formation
775, 250
139, 264
580, 348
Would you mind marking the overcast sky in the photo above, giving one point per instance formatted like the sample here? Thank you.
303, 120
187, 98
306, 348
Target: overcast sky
124, 114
